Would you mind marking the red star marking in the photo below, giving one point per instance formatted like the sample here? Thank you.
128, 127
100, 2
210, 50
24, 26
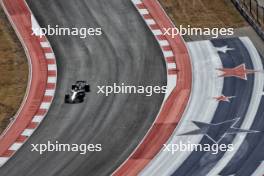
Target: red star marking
239, 72
223, 98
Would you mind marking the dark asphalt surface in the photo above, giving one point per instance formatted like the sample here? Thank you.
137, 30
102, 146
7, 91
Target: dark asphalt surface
200, 163
126, 52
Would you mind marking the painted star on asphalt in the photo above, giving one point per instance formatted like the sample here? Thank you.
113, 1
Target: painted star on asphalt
224, 49
224, 98
240, 72
216, 132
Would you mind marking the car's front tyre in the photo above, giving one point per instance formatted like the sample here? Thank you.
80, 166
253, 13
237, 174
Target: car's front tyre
67, 98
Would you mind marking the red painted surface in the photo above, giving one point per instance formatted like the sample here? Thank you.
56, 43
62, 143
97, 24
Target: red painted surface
239, 72
223, 98
174, 106
20, 15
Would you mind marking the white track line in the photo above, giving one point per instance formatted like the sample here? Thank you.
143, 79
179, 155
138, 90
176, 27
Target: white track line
252, 110
260, 170
202, 106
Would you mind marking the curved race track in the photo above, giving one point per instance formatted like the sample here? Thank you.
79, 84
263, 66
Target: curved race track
126, 52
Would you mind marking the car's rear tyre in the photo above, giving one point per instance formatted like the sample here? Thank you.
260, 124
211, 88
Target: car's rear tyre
87, 88
73, 87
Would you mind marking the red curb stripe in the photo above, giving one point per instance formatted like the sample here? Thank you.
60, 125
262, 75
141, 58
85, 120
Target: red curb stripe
41, 112
167, 48
42, 39
32, 125
141, 6
147, 16
154, 26
47, 99
21, 139
8, 153
170, 60
50, 86
51, 61
52, 73
47, 50
161, 37
172, 71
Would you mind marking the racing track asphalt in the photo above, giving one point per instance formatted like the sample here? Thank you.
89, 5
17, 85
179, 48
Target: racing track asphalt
126, 52
200, 163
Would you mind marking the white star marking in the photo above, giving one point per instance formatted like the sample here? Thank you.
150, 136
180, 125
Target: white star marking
224, 49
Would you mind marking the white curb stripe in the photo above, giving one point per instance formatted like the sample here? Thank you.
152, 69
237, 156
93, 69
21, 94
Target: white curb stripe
45, 44
50, 92
15, 146
27, 132
168, 54
163, 43
52, 79
150, 21
49, 55
37, 119
137, 2
143, 11
171, 65
52, 67
157, 32
45, 105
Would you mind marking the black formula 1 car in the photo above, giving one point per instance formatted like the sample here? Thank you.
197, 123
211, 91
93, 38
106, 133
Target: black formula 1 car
77, 93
